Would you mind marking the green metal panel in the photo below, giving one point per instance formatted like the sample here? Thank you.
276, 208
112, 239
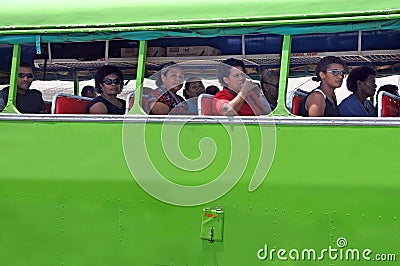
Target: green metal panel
59, 208
324, 183
93, 14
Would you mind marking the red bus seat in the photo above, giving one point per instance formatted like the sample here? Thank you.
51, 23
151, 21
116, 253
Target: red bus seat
69, 104
295, 99
388, 104
130, 99
206, 105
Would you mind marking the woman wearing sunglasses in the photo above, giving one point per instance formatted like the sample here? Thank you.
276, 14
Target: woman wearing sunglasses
322, 100
109, 82
169, 82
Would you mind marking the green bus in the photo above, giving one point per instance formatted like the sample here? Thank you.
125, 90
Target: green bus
139, 189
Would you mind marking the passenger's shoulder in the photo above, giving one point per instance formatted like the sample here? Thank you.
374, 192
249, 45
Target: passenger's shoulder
4, 90
96, 100
221, 95
316, 95
346, 101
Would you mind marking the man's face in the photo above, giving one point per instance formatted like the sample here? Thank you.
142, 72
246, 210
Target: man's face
236, 78
25, 78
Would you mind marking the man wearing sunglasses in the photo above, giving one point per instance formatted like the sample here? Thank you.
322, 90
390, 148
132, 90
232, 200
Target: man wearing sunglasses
28, 100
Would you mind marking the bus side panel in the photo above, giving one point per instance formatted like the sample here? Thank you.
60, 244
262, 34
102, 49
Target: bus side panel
68, 197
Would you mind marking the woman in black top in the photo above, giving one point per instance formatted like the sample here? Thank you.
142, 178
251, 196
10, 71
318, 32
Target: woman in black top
109, 81
322, 100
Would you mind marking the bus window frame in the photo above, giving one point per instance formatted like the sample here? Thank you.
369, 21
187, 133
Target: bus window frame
12, 93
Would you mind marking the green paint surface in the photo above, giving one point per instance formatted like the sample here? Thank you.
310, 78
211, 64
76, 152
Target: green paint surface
67, 196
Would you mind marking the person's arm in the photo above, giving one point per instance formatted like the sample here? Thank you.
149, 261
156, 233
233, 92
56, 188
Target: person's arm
233, 106
315, 104
98, 108
42, 105
159, 108
43, 109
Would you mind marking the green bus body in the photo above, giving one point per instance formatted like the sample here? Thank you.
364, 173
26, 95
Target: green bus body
85, 189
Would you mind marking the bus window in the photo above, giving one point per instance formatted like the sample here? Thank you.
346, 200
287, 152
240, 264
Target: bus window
353, 48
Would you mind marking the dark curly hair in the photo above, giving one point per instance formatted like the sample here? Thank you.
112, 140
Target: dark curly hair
224, 68
359, 74
323, 65
393, 89
187, 85
164, 71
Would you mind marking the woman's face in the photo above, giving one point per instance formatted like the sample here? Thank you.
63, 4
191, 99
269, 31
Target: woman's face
333, 77
195, 89
173, 79
236, 78
111, 84
368, 86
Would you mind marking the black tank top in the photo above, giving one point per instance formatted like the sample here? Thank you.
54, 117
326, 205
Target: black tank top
111, 108
331, 108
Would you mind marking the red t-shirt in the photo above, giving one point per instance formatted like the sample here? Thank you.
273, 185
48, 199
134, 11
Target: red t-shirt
252, 105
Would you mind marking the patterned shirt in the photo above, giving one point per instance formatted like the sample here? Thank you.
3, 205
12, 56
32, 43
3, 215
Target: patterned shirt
167, 97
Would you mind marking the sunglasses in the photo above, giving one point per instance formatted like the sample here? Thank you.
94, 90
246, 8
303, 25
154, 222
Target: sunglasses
337, 72
23, 75
111, 81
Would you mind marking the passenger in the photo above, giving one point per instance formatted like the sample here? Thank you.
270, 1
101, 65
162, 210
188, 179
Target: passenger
361, 81
109, 81
212, 90
322, 100
239, 96
89, 91
269, 85
392, 89
27, 100
193, 88
169, 82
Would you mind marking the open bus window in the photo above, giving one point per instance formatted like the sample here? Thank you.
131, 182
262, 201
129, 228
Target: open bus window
178, 88
355, 49
258, 51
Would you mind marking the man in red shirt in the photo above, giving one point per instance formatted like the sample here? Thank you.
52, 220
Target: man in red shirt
239, 96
